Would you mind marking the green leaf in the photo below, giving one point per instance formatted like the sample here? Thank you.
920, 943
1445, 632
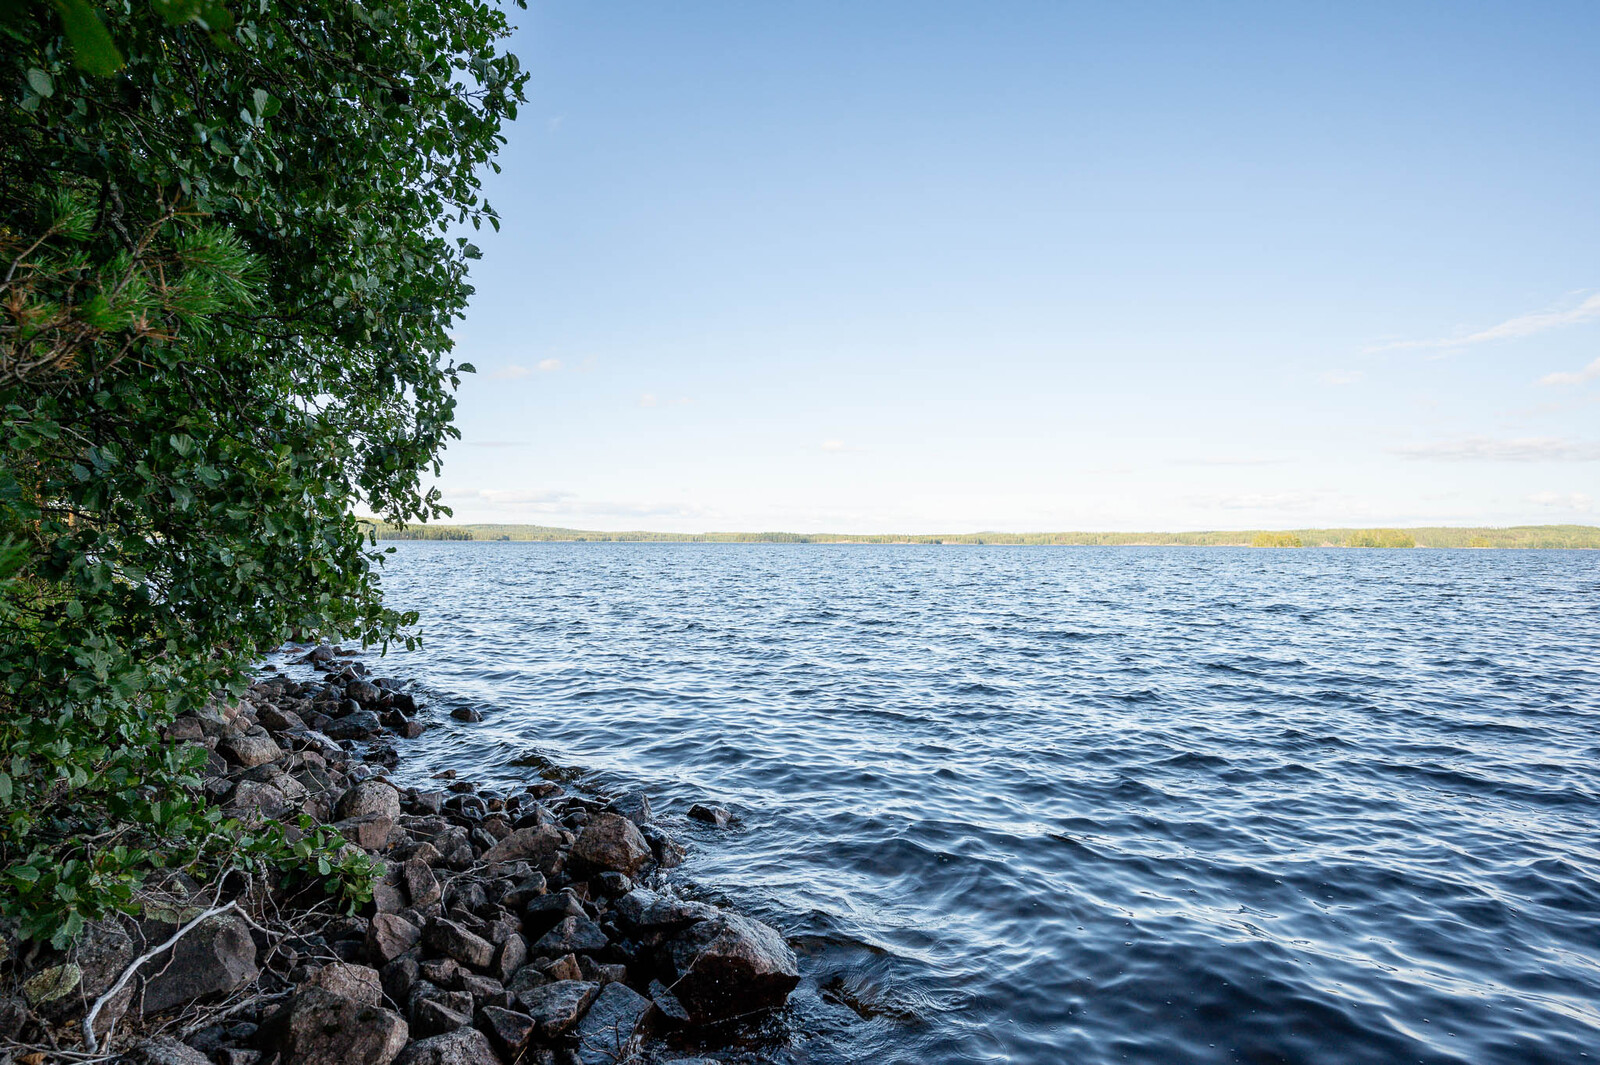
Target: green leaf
92, 47
41, 82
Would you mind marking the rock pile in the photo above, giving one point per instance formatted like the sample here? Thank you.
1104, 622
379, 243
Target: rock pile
506, 929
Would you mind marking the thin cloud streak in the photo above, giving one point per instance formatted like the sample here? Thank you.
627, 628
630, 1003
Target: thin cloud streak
1488, 449
1576, 377
1524, 325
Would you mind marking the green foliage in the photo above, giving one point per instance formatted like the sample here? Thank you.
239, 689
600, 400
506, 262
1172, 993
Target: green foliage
227, 276
1379, 538
1276, 539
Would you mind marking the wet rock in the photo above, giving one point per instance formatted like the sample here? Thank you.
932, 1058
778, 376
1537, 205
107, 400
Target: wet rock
464, 1046
571, 935
611, 1030
355, 982
247, 749
213, 958
450, 938
368, 798
635, 806
467, 714
508, 1030
729, 965
611, 885
322, 1028
611, 842
644, 910
390, 935
537, 845
667, 851
555, 1008
667, 1004
711, 815
364, 693
601, 972
356, 726
279, 719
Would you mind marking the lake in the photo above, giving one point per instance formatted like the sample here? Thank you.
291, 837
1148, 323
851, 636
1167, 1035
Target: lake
1031, 804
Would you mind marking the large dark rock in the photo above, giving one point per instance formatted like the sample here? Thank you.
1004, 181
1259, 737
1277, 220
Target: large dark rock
165, 1050
430, 1016
711, 815
356, 982
729, 965
644, 910
213, 958
464, 1046
390, 935
508, 1030
610, 1032
421, 885
356, 726
571, 935
364, 692
537, 846
248, 749
555, 1008
611, 842
322, 1028
452, 940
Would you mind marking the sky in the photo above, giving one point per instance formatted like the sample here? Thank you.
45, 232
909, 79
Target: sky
947, 267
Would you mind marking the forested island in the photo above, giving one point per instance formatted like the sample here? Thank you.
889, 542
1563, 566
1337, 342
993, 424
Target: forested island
1566, 537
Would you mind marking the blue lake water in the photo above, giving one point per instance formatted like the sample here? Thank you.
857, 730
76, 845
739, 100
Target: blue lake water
1018, 804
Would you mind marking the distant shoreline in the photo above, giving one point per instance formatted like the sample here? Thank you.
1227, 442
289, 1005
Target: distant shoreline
1554, 537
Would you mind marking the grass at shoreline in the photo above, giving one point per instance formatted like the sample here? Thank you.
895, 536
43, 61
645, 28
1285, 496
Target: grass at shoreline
1516, 536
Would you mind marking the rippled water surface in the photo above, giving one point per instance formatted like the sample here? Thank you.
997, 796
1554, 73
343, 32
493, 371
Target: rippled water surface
1075, 804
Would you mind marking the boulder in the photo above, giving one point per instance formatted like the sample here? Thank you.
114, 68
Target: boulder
355, 982
421, 885
364, 692
213, 958
511, 956
611, 842
555, 1008
508, 1030
646, 911
571, 935
537, 846
247, 749
322, 1028
451, 939
729, 965
369, 797
371, 832
429, 1016
610, 1032
467, 714
390, 935
255, 803
356, 726
464, 1046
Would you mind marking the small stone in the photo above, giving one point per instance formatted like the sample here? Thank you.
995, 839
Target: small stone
481, 988
635, 806
386, 898
390, 935
467, 714
563, 968
667, 851
711, 815
571, 935
610, 1031
555, 1008
601, 972
512, 955
611, 885
452, 939
446, 972
667, 1003
400, 977
371, 833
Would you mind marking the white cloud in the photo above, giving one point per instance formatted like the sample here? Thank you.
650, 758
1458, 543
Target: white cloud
549, 365
1290, 501
1576, 377
1574, 501
832, 445
1488, 449
1342, 377
649, 400
510, 373
1523, 325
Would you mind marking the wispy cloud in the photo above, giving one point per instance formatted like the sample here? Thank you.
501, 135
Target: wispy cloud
1229, 460
1576, 377
1342, 377
1574, 501
1489, 449
1523, 325
549, 365
649, 399
510, 373
832, 445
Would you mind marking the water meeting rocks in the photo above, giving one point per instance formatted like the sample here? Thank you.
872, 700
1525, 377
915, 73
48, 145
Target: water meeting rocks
611, 842
727, 966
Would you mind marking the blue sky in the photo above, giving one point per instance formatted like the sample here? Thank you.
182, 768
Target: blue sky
945, 267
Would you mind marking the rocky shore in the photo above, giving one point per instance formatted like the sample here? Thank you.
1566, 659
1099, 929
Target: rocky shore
507, 928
